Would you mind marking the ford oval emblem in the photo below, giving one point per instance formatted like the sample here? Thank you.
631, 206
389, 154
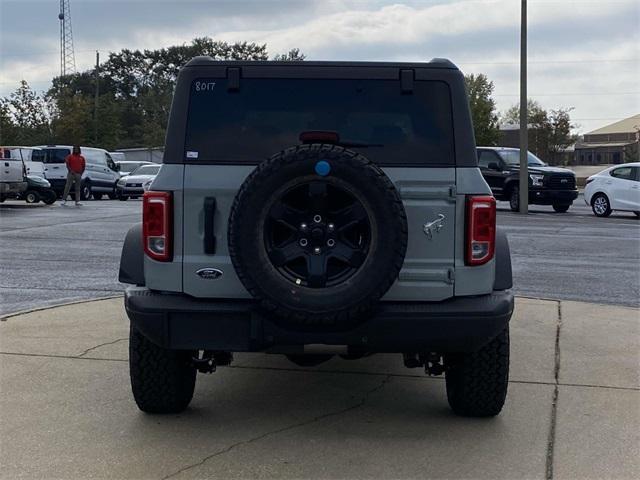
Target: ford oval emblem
209, 273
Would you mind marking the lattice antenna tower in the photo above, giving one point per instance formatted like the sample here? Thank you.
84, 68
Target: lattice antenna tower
67, 56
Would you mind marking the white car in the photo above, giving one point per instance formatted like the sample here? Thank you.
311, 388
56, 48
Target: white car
125, 167
616, 188
137, 182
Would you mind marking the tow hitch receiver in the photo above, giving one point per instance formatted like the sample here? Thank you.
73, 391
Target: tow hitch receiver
206, 361
432, 362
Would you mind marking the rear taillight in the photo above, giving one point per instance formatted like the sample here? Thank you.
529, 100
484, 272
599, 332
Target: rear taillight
157, 226
481, 229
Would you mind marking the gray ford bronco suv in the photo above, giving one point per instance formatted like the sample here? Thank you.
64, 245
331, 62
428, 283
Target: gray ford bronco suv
313, 209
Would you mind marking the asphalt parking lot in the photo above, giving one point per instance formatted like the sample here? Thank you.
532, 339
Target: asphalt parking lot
50, 254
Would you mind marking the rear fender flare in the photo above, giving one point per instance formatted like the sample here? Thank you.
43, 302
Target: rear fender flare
504, 277
132, 258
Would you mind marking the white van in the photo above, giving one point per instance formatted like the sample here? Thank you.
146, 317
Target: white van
12, 173
100, 175
118, 156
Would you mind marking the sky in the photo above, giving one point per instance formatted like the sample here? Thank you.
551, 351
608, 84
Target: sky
582, 54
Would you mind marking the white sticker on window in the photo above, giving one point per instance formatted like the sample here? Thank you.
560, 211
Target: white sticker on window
192, 154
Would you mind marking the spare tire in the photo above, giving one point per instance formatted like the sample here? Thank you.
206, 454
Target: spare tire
317, 234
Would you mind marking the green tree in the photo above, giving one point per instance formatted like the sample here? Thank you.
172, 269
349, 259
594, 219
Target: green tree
27, 117
293, 55
549, 131
558, 134
7, 127
136, 88
72, 123
534, 113
483, 109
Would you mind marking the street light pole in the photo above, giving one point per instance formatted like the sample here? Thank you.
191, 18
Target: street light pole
524, 121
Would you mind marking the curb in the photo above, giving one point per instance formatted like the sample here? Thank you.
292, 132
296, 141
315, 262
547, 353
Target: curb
6, 316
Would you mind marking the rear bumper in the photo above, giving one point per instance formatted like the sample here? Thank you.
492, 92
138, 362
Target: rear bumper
549, 197
181, 322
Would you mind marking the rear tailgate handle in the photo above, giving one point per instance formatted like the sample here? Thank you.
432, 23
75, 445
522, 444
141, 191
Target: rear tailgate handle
209, 225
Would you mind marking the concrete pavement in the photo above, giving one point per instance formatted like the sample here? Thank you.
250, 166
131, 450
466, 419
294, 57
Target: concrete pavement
573, 409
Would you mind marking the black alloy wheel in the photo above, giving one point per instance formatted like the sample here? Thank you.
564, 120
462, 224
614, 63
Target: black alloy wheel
321, 244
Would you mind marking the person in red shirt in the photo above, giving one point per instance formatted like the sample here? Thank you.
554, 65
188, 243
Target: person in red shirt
75, 166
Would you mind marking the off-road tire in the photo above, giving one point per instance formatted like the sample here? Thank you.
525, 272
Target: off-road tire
561, 208
333, 307
162, 380
477, 382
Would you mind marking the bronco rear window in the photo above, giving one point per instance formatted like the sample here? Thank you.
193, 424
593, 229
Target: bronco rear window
372, 117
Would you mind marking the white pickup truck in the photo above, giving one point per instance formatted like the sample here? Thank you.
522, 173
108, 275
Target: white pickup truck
12, 172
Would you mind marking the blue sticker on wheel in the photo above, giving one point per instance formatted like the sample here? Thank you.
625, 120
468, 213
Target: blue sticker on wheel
323, 168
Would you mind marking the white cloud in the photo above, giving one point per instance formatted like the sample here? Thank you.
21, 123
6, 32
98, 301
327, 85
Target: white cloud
566, 40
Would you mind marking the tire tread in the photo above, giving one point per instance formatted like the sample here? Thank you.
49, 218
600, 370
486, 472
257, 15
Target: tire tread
477, 382
369, 169
162, 380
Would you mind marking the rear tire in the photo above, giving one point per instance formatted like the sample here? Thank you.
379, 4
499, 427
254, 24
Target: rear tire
97, 196
31, 196
162, 380
477, 382
112, 196
123, 198
561, 208
600, 205
514, 199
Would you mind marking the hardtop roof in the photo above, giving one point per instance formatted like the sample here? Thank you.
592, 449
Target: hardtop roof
206, 61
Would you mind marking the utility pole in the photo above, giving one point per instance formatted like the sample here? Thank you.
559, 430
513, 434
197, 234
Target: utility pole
95, 107
524, 120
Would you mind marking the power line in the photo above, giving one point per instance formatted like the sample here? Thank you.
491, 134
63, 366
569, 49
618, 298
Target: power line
567, 94
540, 62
